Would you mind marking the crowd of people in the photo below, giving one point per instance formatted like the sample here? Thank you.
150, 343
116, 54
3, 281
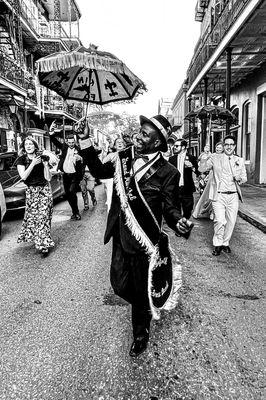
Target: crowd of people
148, 183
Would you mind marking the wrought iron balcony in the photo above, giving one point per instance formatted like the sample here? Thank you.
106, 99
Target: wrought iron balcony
56, 103
215, 32
41, 26
204, 3
11, 71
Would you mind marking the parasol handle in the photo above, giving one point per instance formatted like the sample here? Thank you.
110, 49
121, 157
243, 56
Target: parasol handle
86, 111
209, 131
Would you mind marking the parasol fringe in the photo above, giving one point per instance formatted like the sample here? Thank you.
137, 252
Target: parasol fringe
60, 62
151, 250
139, 234
177, 282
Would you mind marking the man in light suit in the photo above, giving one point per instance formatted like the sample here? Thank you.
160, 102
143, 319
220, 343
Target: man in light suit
228, 173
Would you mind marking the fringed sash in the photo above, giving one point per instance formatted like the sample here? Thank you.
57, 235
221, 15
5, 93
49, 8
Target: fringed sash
164, 277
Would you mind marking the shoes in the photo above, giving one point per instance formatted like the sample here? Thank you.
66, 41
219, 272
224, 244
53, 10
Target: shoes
86, 207
76, 217
217, 250
226, 249
138, 346
94, 202
44, 252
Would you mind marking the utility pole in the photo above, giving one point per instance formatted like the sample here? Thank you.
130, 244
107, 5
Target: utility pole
64, 131
189, 123
25, 117
228, 84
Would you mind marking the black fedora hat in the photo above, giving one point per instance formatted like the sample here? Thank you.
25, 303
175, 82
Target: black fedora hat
162, 125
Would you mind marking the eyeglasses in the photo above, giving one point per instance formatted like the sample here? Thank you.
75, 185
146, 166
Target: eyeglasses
229, 144
177, 145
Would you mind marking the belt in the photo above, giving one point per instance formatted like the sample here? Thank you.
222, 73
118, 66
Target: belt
227, 192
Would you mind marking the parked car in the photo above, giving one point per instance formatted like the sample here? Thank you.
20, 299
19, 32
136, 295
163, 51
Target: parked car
14, 187
2, 207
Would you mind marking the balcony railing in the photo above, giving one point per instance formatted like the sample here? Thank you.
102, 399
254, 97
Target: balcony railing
41, 26
29, 12
56, 103
214, 36
11, 71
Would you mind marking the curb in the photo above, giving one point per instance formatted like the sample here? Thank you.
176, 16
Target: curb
252, 221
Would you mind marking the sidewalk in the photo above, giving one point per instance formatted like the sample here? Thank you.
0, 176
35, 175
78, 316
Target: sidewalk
253, 208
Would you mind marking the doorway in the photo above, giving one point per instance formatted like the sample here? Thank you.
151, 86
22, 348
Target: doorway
261, 157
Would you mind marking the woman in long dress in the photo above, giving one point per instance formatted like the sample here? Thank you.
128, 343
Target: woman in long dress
202, 163
34, 170
203, 207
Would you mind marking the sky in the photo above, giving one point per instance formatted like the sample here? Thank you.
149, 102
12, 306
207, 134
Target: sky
154, 38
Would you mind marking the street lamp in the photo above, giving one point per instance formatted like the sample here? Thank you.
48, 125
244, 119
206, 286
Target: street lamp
13, 106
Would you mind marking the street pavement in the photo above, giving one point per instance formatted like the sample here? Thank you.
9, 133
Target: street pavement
253, 208
65, 336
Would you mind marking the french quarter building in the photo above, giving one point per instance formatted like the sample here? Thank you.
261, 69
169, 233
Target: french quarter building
30, 29
229, 64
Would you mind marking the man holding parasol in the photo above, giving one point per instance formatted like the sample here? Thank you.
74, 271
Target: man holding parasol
143, 272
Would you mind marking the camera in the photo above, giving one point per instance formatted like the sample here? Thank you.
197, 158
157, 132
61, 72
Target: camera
44, 157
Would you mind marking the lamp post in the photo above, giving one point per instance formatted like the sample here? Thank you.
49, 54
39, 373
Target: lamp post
13, 107
64, 128
189, 123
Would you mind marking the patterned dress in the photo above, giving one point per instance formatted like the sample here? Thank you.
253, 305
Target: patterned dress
36, 225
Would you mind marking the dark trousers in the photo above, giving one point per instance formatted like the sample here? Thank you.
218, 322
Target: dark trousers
71, 187
186, 202
129, 279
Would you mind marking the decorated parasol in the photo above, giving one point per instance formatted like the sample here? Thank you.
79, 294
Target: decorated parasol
89, 75
211, 112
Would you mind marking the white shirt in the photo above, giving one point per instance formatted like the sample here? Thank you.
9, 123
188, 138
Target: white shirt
70, 161
140, 162
180, 166
227, 183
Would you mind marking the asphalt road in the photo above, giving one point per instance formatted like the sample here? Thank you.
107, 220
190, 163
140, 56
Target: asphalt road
65, 336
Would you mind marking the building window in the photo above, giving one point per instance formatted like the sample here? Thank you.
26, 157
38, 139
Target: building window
246, 130
235, 125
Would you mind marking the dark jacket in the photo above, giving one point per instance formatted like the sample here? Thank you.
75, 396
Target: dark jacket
189, 186
64, 147
159, 187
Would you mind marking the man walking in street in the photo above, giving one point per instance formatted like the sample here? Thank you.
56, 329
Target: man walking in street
228, 173
186, 165
145, 190
87, 184
70, 163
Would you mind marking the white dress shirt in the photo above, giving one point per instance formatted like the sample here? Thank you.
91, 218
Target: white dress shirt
140, 162
227, 183
180, 166
70, 161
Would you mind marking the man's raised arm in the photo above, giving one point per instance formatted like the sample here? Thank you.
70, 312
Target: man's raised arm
90, 156
53, 139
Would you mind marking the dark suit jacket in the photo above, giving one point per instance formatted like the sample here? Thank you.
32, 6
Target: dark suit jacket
64, 147
189, 186
159, 187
